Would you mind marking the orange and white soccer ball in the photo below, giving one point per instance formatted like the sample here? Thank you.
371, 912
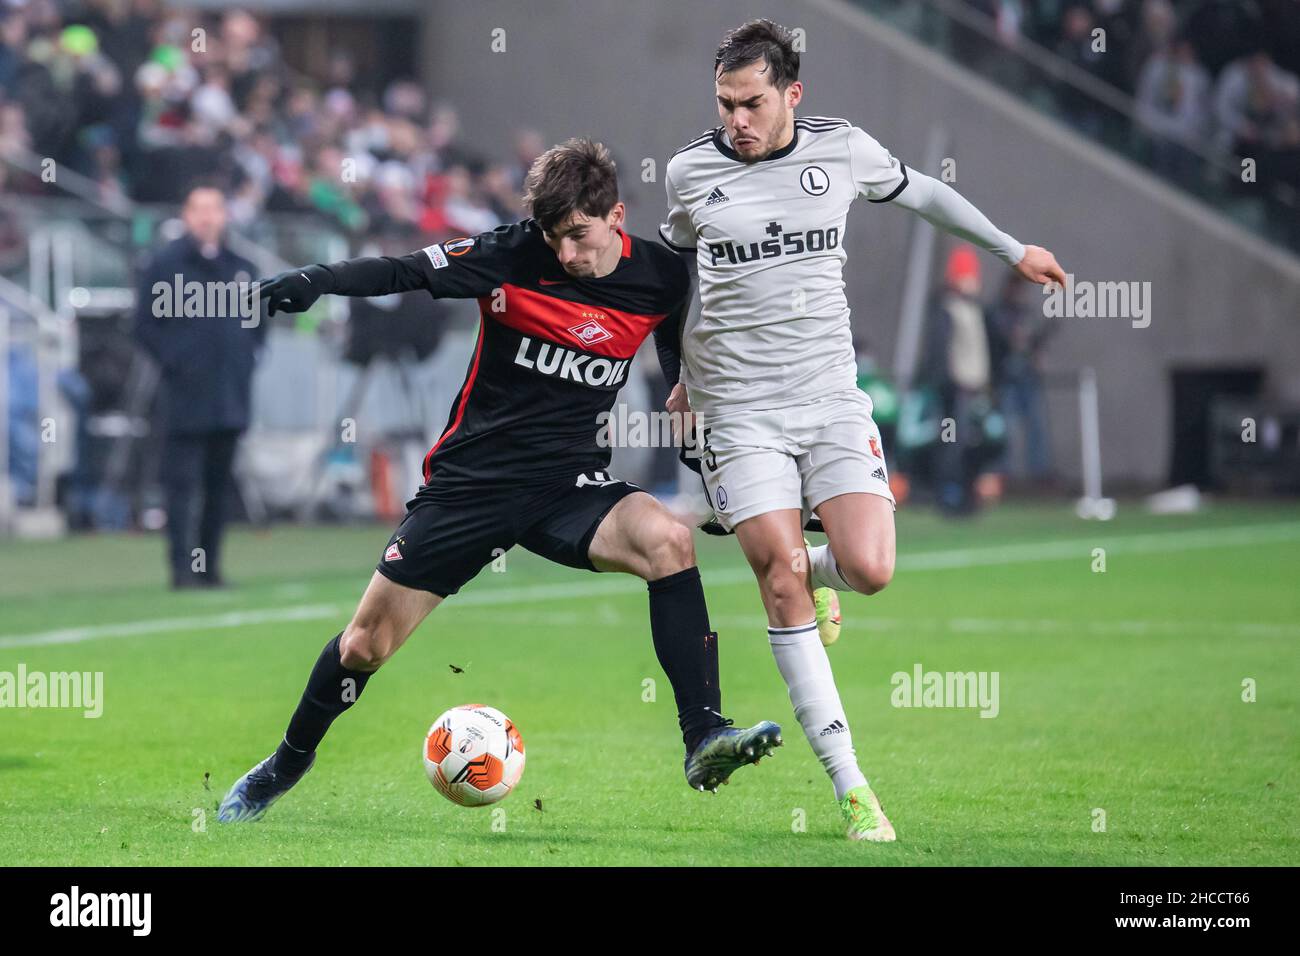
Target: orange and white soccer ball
473, 755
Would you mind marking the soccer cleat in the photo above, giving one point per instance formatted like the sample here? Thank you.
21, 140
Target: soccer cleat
254, 792
727, 749
827, 605
826, 602
864, 818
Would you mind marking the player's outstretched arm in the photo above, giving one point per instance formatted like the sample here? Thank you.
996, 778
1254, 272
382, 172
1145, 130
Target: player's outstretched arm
297, 289
463, 268
940, 204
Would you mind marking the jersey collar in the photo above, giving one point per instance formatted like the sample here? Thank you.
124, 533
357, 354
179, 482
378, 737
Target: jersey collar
720, 141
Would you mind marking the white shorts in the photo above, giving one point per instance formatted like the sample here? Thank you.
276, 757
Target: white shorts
754, 462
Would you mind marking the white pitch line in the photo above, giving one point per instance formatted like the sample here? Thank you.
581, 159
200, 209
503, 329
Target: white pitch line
1081, 548
1074, 548
76, 635
1137, 628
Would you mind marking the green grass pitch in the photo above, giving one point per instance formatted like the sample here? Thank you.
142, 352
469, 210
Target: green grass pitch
1120, 701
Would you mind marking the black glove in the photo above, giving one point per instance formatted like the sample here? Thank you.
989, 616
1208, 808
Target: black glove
295, 290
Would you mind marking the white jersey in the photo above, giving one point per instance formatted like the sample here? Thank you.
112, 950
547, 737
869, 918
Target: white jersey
773, 325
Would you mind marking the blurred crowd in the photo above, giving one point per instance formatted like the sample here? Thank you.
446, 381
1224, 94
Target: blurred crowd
146, 100
1207, 76
143, 99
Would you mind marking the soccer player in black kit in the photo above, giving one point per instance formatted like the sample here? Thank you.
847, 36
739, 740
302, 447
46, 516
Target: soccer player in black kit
565, 299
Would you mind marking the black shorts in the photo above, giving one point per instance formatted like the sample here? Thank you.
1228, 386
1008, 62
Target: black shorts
449, 535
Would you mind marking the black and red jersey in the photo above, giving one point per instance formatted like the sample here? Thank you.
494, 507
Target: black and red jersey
552, 350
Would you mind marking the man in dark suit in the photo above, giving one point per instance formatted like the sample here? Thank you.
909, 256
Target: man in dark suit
193, 318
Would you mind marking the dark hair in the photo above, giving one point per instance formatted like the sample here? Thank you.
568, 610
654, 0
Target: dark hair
760, 40
204, 181
576, 176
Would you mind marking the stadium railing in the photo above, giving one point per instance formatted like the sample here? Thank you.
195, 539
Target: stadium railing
31, 330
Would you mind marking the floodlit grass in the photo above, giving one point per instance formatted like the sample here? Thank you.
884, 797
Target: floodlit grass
1120, 693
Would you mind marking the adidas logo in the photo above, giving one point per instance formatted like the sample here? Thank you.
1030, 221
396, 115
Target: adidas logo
716, 197
880, 474
834, 727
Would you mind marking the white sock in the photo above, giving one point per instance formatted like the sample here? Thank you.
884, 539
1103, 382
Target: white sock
825, 572
807, 672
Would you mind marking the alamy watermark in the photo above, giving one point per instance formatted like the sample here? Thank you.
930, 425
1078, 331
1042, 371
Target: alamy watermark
236, 299
75, 908
1086, 299
624, 427
922, 688
69, 690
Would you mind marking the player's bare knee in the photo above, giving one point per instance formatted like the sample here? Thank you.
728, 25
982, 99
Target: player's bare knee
681, 546
785, 595
674, 550
870, 574
362, 647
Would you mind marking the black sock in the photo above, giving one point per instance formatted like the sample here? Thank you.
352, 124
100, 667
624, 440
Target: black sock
331, 689
687, 651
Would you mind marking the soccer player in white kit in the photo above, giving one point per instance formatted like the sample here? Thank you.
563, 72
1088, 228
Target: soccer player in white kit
758, 207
